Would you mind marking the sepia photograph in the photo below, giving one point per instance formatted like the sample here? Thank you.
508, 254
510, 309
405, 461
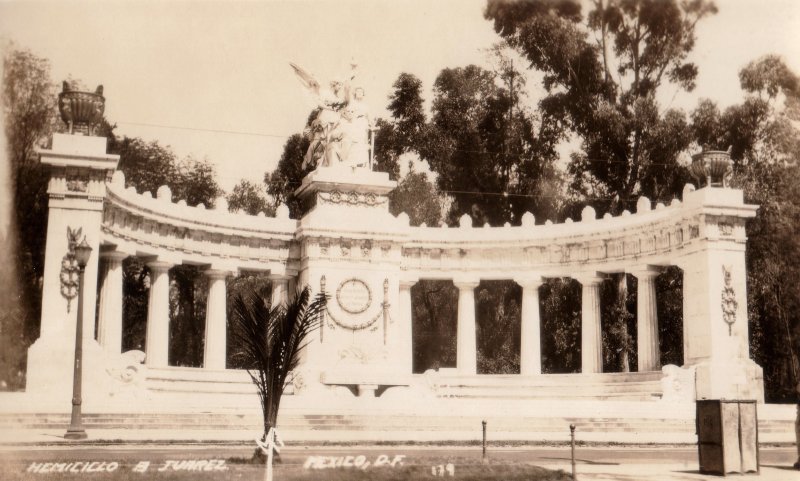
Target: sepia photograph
312, 240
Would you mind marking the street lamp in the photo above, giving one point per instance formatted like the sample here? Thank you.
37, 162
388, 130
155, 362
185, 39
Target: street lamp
75, 431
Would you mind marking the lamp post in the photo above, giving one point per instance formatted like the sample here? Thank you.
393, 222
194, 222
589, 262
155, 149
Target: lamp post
75, 430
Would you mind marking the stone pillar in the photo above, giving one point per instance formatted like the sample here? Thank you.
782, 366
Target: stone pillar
648, 351
78, 168
530, 333
157, 343
109, 325
591, 336
406, 331
715, 324
215, 353
466, 350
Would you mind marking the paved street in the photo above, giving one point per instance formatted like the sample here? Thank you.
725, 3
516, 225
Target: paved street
601, 463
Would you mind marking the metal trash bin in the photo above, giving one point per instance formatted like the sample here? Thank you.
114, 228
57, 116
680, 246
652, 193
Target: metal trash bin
727, 436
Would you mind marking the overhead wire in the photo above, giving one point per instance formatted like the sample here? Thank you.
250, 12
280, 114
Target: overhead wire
284, 136
467, 192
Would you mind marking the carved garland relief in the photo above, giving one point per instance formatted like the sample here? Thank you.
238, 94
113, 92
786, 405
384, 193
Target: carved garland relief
352, 198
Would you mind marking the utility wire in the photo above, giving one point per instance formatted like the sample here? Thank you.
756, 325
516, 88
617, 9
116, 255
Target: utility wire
283, 136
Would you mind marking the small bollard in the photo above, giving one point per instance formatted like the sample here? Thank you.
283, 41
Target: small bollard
572, 442
483, 457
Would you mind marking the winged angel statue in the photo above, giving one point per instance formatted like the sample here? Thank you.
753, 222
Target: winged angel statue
340, 131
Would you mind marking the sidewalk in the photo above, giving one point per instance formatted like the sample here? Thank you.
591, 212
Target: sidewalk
668, 472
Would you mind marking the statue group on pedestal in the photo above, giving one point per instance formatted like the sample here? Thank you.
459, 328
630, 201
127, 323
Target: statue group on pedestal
341, 131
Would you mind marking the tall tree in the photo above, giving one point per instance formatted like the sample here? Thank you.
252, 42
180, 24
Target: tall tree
285, 179
28, 100
407, 130
602, 74
493, 156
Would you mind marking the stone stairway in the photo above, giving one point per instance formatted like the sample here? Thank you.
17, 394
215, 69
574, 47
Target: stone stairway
631, 423
634, 386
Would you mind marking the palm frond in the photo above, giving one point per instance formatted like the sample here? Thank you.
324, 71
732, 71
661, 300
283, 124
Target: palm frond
271, 339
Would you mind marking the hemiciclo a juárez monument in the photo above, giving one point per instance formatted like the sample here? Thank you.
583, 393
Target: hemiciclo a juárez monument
356, 375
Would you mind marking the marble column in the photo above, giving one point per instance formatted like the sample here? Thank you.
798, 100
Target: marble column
109, 325
648, 353
591, 336
530, 331
216, 320
466, 350
406, 331
157, 343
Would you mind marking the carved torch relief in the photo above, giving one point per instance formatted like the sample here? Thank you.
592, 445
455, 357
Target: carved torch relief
729, 302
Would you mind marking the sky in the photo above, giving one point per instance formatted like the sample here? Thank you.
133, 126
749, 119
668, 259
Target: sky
212, 79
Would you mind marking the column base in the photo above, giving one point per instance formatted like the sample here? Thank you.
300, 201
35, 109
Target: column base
77, 434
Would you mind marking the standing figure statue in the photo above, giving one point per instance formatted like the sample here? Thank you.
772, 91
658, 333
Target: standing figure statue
339, 132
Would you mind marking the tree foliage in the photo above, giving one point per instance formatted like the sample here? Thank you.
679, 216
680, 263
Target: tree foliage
285, 179
30, 116
498, 320
419, 198
561, 325
602, 73
249, 197
493, 156
434, 323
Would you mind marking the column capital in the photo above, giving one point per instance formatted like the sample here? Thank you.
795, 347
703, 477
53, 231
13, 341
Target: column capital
464, 283
645, 272
407, 283
279, 278
217, 273
113, 255
530, 282
159, 266
588, 279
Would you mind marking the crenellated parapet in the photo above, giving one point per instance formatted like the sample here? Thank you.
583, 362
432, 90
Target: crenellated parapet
612, 243
138, 223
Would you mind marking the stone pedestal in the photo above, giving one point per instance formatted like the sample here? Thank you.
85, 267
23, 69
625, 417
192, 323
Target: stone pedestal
351, 250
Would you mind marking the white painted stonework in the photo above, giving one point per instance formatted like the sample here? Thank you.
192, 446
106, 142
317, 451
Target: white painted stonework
367, 260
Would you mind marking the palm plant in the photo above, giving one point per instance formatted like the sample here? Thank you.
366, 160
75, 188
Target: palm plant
271, 338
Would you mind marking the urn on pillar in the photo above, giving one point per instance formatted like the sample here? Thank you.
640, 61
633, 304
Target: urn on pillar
712, 166
81, 111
